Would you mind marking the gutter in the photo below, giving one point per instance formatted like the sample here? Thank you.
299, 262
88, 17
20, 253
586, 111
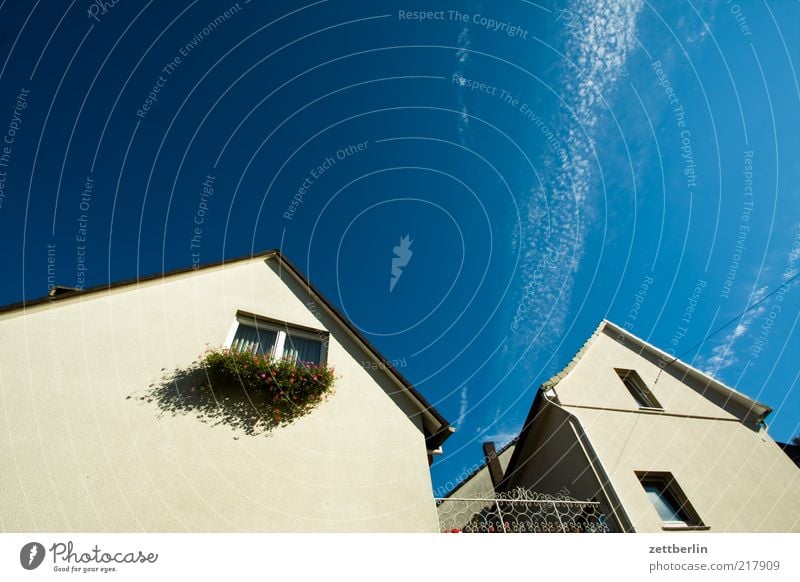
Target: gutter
603, 479
442, 429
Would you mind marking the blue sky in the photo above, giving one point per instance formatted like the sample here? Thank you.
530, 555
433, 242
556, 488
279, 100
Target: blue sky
552, 163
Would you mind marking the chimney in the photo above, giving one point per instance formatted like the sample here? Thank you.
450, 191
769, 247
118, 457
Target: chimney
60, 291
493, 464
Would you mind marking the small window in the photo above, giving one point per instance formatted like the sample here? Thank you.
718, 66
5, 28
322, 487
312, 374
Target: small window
262, 336
669, 500
640, 392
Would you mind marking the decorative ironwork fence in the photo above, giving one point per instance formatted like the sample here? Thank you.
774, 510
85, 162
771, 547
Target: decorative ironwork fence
521, 511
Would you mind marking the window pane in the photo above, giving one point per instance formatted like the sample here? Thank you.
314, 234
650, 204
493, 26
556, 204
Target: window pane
637, 388
637, 394
254, 340
301, 349
666, 510
644, 398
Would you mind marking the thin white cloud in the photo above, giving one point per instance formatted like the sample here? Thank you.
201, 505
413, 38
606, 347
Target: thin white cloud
601, 37
462, 56
462, 413
723, 355
501, 439
501, 429
695, 27
463, 46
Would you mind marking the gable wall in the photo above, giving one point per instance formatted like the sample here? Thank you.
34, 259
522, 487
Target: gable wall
733, 473
593, 382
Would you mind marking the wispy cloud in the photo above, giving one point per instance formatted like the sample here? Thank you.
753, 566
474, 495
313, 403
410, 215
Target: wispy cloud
462, 58
501, 429
502, 438
723, 355
462, 412
463, 46
601, 36
696, 25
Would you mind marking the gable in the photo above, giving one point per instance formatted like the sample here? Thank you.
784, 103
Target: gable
592, 380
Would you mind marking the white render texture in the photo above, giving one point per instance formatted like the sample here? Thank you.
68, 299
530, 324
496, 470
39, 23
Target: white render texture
732, 472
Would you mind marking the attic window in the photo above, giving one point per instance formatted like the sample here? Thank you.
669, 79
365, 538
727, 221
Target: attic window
264, 336
638, 389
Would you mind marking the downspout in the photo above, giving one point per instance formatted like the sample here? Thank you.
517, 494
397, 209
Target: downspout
600, 474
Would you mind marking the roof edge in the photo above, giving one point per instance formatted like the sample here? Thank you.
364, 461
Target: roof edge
72, 293
689, 370
441, 432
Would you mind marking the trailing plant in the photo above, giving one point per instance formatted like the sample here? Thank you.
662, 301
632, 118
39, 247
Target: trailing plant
280, 389
249, 392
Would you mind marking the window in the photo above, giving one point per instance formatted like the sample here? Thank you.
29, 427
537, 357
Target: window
669, 500
264, 336
250, 338
298, 348
644, 398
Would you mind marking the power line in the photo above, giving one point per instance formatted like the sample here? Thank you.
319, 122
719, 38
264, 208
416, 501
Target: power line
738, 317
742, 314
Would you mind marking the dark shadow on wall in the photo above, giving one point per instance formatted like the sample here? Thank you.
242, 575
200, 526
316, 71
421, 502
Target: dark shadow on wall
211, 400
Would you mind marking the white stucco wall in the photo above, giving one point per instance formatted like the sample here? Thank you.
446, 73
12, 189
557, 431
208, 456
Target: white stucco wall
736, 479
734, 475
81, 452
593, 382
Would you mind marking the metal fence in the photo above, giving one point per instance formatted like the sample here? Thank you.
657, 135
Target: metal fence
521, 511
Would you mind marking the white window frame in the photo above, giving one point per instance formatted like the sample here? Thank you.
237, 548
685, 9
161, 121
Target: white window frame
282, 330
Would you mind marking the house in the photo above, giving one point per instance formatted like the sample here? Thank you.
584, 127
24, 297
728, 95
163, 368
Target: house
93, 443
628, 438
792, 450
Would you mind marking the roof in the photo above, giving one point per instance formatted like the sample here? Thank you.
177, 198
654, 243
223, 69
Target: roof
437, 428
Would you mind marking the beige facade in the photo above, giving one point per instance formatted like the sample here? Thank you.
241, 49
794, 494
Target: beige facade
697, 446
83, 452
